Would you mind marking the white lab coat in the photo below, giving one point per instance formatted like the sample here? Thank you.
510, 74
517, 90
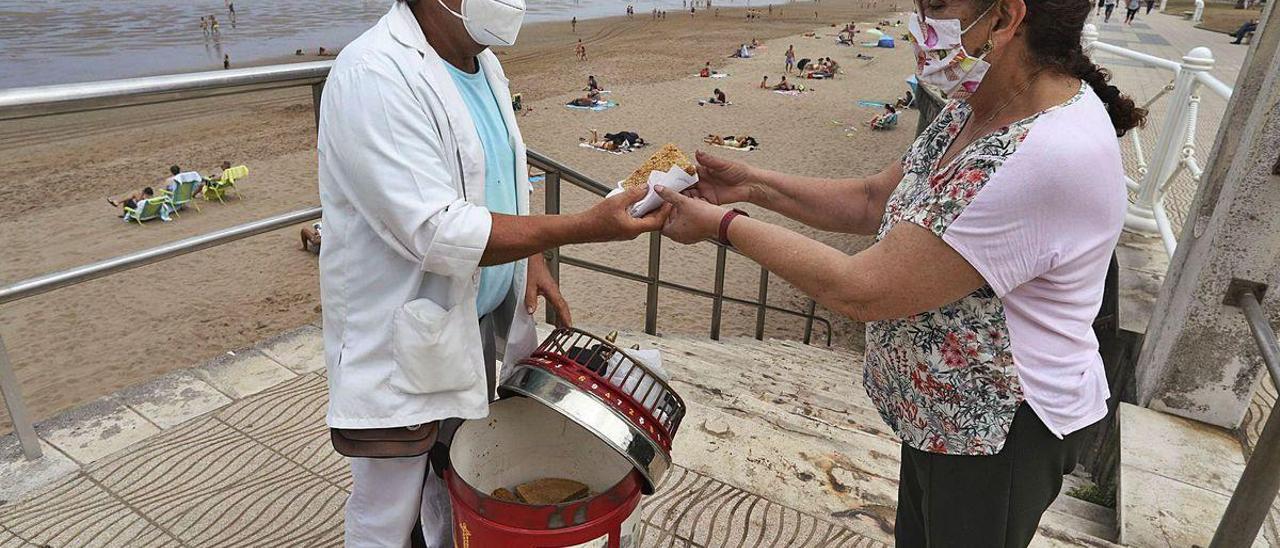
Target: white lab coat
402, 184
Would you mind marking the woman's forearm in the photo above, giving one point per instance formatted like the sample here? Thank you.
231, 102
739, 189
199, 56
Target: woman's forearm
835, 205
816, 269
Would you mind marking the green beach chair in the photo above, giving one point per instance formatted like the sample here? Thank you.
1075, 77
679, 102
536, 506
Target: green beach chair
153, 208
183, 193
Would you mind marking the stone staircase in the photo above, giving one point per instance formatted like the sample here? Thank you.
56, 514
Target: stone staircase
780, 447
792, 422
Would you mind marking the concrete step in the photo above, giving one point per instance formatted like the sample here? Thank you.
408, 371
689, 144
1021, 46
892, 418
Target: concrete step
798, 420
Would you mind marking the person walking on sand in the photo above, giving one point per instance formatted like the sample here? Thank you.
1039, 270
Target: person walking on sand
574, 24
791, 57
1150, 4
226, 61
432, 265
204, 26
1110, 6
582, 51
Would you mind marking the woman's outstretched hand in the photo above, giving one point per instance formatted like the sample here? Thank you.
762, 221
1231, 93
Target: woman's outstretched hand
691, 219
722, 181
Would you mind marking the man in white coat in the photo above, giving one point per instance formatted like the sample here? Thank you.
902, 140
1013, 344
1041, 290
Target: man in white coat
431, 265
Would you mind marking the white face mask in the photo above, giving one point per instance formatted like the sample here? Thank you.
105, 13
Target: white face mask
491, 22
941, 59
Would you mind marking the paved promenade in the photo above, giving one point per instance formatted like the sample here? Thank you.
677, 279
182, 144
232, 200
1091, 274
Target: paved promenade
1169, 37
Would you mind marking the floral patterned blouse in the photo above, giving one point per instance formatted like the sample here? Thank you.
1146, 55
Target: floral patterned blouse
944, 380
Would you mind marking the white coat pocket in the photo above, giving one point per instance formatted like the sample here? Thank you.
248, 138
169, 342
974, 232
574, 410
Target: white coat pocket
432, 347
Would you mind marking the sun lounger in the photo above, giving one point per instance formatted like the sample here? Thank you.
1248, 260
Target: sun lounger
183, 193
153, 208
217, 189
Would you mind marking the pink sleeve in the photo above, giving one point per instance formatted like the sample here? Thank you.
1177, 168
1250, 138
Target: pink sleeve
1009, 232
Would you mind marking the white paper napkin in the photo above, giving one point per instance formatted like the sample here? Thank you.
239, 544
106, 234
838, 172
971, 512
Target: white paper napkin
675, 179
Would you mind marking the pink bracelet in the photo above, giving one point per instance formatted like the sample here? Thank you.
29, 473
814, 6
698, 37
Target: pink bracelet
724, 224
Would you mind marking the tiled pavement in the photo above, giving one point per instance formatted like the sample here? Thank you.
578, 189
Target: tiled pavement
780, 448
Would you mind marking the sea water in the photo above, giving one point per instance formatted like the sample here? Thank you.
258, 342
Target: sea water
61, 41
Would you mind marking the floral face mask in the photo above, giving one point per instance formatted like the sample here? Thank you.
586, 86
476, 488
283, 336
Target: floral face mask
941, 59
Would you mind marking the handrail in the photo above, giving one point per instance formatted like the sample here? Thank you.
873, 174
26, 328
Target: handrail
81, 97
72, 276
1152, 60
1215, 85
557, 172
1260, 482
85, 96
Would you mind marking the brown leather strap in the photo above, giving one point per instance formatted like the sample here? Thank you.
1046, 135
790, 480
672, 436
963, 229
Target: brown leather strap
382, 443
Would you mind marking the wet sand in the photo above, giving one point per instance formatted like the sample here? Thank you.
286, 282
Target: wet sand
88, 341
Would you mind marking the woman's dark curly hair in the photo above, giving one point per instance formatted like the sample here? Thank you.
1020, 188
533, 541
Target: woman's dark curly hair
1053, 29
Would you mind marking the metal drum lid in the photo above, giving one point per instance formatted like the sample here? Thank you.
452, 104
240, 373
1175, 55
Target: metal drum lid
611, 394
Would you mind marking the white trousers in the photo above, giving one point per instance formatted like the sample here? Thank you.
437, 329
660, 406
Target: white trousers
389, 495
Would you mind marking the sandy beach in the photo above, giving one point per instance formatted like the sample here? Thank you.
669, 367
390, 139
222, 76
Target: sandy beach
85, 342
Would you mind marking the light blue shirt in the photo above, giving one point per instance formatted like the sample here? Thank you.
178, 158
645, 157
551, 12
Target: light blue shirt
499, 175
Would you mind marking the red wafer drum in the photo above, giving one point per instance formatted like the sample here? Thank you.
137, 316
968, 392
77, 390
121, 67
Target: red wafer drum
523, 440
581, 409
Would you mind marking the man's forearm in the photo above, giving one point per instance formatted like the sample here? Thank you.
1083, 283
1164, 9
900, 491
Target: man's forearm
514, 237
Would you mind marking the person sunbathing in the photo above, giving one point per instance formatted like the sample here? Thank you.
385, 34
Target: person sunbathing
743, 141
622, 140
742, 52
592, 85
755, 43
764, 84
718, 98
784, 86
905, 101
885, 120
132, 200
706, 71
311, 237
592, 98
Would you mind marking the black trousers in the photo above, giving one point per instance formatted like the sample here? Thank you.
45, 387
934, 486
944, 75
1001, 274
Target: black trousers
984, 501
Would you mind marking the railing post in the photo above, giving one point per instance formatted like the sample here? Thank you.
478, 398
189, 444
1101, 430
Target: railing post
717, 299
808, 323
317, 91
762, 307
651, 293
551, 206
1088, 37
1141, 216
17, 409
1260, 481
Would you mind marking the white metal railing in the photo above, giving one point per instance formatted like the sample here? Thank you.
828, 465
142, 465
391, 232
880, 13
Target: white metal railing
1174, 152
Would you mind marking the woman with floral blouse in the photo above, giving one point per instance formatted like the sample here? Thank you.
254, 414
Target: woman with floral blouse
993, 236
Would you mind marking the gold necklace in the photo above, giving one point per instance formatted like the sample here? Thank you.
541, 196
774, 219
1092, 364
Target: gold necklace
1035, 76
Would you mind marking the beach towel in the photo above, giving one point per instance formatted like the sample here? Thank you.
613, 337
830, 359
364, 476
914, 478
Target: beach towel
870, 104
605, 105
793, 92
593, 147
703, 102
538, 178
740, 149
